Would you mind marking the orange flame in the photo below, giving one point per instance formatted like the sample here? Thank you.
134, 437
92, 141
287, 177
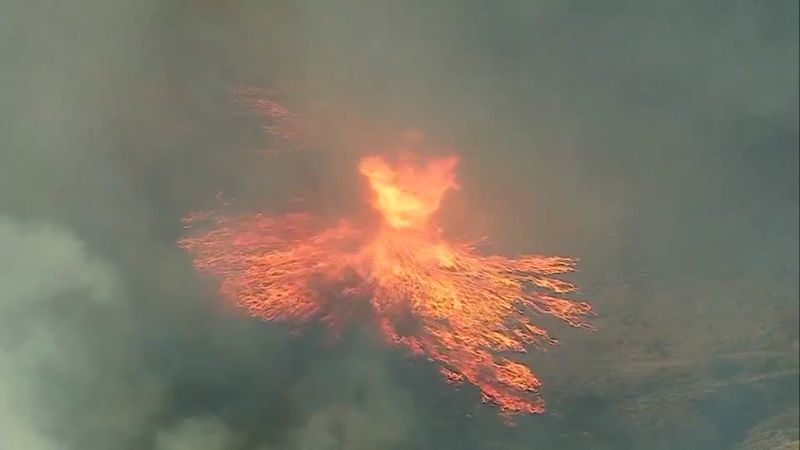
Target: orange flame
407, 195
439, 298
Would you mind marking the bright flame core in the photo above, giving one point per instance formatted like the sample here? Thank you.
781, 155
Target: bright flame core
439, 298
407, 195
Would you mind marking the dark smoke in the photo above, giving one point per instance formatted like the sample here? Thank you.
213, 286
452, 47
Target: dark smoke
657, 141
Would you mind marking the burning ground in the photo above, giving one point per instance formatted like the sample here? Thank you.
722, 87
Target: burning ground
436, 298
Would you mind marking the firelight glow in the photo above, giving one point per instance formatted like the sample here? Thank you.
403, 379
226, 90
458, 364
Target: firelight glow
465, 311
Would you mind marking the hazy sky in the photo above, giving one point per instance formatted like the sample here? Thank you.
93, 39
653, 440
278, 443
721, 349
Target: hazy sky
656, 140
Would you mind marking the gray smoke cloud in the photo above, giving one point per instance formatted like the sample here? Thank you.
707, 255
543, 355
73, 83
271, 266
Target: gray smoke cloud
69, 370
656, 141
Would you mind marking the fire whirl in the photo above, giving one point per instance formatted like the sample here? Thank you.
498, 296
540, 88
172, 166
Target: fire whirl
442, 299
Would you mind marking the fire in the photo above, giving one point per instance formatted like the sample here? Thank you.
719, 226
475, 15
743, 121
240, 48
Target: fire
465, 311
407, 195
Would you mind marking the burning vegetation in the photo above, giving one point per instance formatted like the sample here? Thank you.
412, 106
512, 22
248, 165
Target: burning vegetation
465, 311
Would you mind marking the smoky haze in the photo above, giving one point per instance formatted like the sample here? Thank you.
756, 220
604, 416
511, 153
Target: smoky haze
655, 141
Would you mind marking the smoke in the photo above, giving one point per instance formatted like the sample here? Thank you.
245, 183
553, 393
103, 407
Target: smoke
197, 434
370, 411
69, 365
656, 141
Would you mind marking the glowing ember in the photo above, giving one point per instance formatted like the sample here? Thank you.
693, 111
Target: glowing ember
283, 125
442, 299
